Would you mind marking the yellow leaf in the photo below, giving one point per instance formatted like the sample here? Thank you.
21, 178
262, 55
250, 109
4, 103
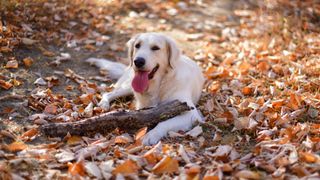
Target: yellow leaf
128, 167
17, 146
166, 165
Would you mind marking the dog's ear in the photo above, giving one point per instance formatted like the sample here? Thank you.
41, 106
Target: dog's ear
173, 52
130, 45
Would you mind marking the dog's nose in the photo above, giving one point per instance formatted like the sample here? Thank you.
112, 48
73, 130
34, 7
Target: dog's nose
139, 62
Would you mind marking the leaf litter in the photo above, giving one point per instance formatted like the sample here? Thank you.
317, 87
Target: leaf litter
261, 99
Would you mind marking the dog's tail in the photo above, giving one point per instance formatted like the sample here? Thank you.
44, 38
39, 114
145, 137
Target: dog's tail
115, 69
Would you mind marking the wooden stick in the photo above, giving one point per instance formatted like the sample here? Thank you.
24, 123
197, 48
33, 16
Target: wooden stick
124, 120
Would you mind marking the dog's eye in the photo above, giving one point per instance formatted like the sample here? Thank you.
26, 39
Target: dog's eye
137, 46
155, 48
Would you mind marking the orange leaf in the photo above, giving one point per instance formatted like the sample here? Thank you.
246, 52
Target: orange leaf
128, 167
247, 90
295, 101
141, 132
151, 158
48, 53
74, 140
193, 171
12, 64
5, 49
210, 71
308, 157
215, 86
246, 174
30, 133
121, 140
263, 66
278, 103
50, 109
166, 165
211, 178
76, 168
244, 67
17, 146
28, 61
5, 85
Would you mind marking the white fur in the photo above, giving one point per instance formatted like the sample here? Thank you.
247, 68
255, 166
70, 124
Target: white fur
178, 78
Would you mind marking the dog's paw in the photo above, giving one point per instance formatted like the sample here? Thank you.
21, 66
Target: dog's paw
104, 104
152, 137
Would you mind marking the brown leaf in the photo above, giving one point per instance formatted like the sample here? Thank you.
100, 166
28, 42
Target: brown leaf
247, 90
308, 157
211, 178
30, 133
16, 146
141, 132
48, 53
263, 66
50, 109
246, 174
5, 85
28, 61
76, 168
74, 140
12, 64
126, 168
5, 49
166, 165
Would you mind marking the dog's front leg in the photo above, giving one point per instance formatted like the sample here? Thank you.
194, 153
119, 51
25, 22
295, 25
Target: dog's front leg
110, 96
182, 122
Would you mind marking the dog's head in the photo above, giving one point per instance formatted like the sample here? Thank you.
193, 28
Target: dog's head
149, 54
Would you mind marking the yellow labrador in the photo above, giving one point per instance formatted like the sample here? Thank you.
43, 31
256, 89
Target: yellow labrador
157, 73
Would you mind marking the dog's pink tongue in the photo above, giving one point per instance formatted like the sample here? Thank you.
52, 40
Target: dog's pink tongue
140, 81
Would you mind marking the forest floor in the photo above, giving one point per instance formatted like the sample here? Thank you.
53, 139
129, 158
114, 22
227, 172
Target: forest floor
261, 99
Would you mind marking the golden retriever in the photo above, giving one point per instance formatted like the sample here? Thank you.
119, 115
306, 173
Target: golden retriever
157, 73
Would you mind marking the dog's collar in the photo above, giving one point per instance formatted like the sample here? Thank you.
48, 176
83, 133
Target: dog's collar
154, 70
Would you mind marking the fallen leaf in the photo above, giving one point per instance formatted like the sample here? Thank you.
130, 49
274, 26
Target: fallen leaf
247, 91
76, 168
73, 140
126, 168
16, 146
5, 85
65, 156
141, 132
308, 157
166, 165
28, 61
50, 109
93, 170
246, 174
12, 64
30, 133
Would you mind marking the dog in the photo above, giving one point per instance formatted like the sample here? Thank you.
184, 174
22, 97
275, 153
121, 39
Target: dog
157, 73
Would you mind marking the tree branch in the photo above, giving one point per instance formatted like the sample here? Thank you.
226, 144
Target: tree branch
124, 120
